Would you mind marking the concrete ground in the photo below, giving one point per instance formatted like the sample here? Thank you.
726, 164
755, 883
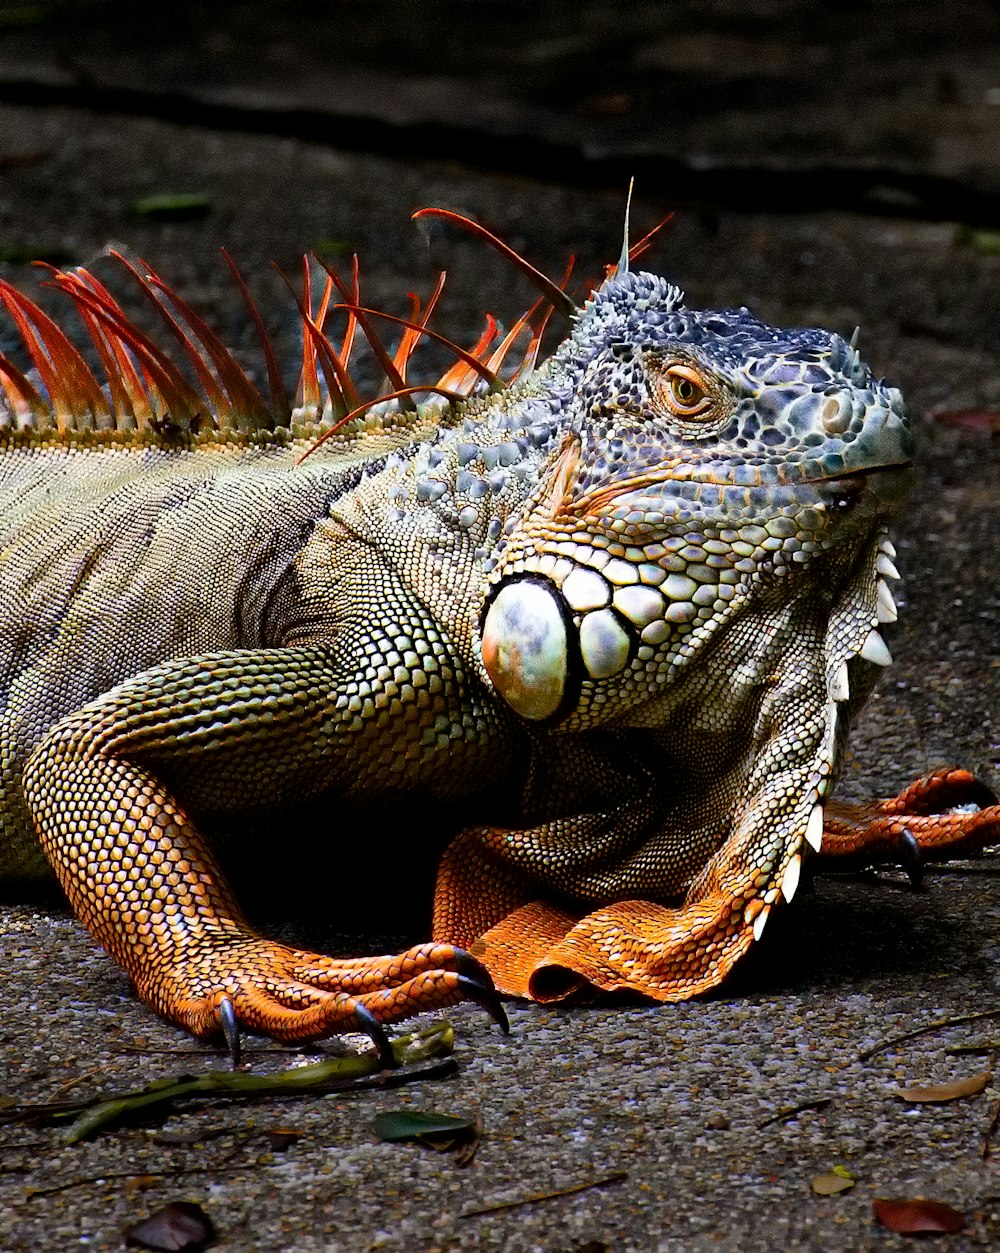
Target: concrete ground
681, 1099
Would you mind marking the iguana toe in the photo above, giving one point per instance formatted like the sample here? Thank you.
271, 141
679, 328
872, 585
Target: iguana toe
370, 1025
294, 995
485, 995
941, 815
911, 858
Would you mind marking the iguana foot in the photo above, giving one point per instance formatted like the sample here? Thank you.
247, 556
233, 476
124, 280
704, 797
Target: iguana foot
244, 982
367, 1023
946, 814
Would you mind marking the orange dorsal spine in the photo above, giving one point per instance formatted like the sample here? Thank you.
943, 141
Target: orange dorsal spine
206, 391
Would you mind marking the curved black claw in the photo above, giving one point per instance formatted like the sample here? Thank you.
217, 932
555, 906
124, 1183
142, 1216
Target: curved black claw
911, 858
487, 998
230, 1028
472, 968
373, 1029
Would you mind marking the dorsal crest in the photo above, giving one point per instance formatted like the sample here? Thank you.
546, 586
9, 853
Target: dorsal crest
126, 381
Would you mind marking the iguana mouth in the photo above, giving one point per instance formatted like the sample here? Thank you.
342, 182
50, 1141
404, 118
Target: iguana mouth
861, 474
889, 484
680, 472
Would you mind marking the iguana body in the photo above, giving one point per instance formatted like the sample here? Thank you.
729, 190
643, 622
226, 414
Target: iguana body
630, 601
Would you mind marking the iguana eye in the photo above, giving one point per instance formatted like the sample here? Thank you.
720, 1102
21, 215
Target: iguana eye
685, 392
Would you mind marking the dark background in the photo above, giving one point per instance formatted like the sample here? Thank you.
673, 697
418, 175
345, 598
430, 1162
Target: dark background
890, 106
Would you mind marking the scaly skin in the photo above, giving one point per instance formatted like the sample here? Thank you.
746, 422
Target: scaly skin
635, 598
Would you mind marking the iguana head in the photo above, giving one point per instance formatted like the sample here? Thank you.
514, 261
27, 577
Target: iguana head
707, 459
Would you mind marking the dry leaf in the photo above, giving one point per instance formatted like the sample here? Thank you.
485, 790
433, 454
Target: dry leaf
140, 1183
974, 419
179, 1226
971, 1085
910, 1218
833, 1181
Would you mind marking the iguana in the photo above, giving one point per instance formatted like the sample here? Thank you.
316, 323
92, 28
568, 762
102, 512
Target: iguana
621, 605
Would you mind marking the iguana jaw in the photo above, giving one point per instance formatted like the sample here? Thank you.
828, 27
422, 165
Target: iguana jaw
887, 487
594, 503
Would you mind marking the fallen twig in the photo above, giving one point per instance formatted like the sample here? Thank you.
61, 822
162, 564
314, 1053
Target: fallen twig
333, 1075
927, 1029
212, 1168
619, 1176
789, 1111
986, 1148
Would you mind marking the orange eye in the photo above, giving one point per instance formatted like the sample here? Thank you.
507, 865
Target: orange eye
686, 391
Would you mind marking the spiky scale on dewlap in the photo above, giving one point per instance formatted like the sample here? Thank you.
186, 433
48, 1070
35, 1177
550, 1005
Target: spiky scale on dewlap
628, 599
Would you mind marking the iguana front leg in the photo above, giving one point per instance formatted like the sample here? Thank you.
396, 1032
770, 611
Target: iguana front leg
732, 875
229, 731
538, 950
545, 951
945, 814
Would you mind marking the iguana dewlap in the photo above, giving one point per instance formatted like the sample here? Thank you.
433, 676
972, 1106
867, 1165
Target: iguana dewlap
632, 597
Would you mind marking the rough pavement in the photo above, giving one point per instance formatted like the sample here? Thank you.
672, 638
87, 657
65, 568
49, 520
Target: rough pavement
674, 1096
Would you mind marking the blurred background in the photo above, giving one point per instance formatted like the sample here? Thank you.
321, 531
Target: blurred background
278, 127
886, 106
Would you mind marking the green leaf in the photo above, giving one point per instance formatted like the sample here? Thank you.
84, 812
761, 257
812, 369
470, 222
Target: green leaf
332, 247
172, 208
15, 15
983, 241
406, 1124
55, 255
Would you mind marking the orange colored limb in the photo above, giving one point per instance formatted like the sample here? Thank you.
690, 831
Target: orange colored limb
926, 810
294, 995
141, 877
637, 946
537, 950
488, 907
519, 946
